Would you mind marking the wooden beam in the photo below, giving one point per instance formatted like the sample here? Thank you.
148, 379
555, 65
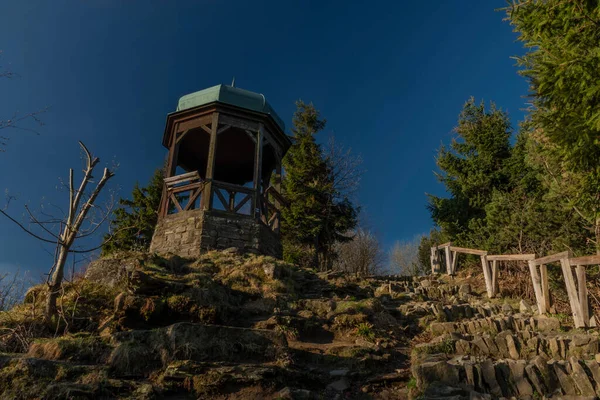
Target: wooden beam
552, 258
192, 199
495, 286
206, 129
587, 260
486, 276
188, 176
583, 294
440, 246
572, 292
223, 129
207, 200
511, 257
448, 260
278, 204
537, 286
545, 287
454, 258
251, 135
469, 251
257, 169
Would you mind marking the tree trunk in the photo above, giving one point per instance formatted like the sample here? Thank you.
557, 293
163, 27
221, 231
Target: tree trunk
55, 283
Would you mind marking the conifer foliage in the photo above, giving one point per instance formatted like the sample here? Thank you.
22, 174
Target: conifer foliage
134, 221
319, 215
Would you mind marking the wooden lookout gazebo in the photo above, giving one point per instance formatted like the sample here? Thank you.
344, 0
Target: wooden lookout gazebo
223, 174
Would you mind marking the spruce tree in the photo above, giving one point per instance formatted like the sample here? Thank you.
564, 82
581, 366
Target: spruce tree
318, 216
472, 168
134, 220
562, 67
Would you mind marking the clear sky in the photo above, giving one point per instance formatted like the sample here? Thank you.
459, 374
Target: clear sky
390, 77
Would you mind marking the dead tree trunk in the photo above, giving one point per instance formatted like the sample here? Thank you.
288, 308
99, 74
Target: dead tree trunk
71, 228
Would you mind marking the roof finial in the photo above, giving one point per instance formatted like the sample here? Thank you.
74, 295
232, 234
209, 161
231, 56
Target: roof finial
233, 82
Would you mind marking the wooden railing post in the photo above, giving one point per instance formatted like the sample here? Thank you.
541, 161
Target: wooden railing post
572, 292
537, 287
448, 260
545, 287
583, 294
486, 276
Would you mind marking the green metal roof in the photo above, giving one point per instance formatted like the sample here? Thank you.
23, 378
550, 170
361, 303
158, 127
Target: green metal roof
230, 95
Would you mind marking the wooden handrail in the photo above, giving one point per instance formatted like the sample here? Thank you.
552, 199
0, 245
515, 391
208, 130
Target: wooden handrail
511, 257
232, 187
552, 258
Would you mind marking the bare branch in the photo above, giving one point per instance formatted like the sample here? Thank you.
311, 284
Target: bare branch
25, 229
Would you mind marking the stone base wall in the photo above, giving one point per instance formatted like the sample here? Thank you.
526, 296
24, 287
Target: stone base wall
189, 233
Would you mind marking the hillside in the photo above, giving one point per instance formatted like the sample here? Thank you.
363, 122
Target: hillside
230, 326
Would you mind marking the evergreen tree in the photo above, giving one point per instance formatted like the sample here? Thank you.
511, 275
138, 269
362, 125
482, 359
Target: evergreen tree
472, 168
318, 215
561, 65
135, 219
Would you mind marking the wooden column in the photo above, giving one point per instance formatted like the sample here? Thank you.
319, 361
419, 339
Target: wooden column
495, 286
545, 287
448, 260
278, 205
257, 170
486, 276
454, 258
572, 292
207, 198
583, 295
537, 287
433, 258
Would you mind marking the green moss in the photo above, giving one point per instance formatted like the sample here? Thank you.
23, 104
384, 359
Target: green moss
81, 348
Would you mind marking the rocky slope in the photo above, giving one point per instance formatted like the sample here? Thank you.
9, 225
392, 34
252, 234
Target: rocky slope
231, 326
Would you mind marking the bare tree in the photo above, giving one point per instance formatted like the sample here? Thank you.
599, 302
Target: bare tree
345, 167
65, 230
12, 288
404, 257
18, 121
362, 255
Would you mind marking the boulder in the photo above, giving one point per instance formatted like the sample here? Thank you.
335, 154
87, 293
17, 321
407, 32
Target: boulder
196, 342
426, 283
565, 381
507, 309
112, 271
518, 379
581, 379
524, 307
435, 369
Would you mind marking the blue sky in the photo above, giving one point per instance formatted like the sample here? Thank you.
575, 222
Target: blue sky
390, 77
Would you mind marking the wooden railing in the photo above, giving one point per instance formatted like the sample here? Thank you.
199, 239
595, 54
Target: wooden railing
223, 196
226, 194
189, 184
576, 286
271, 204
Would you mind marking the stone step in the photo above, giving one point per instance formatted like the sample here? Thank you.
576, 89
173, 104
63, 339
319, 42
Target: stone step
496, 324
450, 312
510, 378
516, 345
197, 342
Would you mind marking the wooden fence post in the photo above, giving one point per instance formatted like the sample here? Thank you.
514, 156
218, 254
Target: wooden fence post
572, 292
545, 288
583, 295
537, 287
495, 286
448, 260
486, 276
454, 258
